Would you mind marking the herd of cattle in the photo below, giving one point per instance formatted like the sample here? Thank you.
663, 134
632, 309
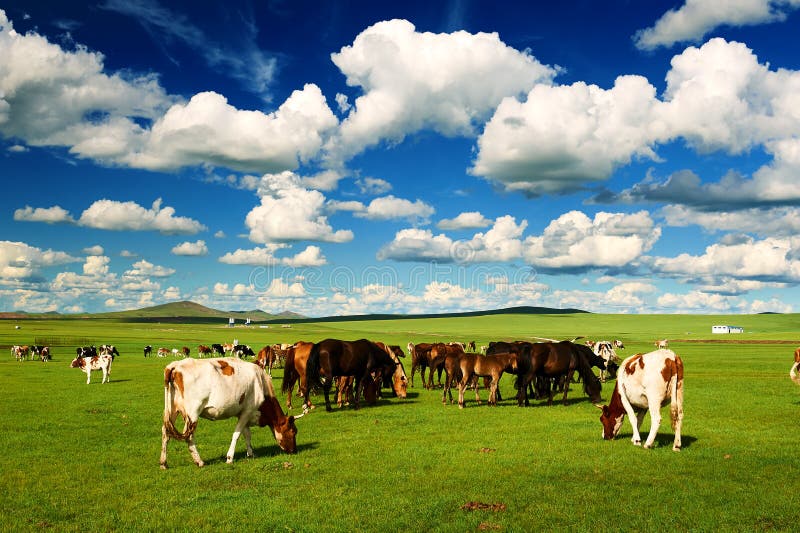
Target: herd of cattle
228, 386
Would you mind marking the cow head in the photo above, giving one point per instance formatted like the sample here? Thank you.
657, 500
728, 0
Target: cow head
283, 427
611, 423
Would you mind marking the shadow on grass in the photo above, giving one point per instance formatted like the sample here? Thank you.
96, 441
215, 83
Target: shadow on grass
662, 439
266, 453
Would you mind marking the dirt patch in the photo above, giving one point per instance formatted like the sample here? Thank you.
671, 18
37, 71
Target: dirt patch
487, 450
481, 506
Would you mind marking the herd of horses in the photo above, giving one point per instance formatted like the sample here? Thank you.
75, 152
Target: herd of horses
360, 369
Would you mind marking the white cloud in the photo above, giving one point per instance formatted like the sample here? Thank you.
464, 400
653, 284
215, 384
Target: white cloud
413, 80
196, 248
289, 212
113, 215
777, 222
172, 294
19, 261
373, 186
94, 250
128, 253
280, 289
145, 268
390, 207
49, 215
502, 242
574, 241
701, 302
208, 130
265, 256
718, 97
46, 95
561, 137
696, 18
771, 259
467, 220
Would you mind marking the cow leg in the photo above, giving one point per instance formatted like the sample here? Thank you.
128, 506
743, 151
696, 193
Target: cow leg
241, 425
164, 441
655, 421
193, 450
246, 433
88, 376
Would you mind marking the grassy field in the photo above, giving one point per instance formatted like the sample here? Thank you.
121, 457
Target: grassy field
85, 457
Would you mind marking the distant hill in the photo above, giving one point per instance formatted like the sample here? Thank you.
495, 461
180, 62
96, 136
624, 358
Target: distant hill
522, 310
187, 311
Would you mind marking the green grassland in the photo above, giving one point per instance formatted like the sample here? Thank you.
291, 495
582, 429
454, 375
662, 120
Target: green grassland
83, 457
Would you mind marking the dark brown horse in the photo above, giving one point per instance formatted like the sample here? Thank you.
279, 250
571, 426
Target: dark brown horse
361, 359
489, 366
554, 361
421, 358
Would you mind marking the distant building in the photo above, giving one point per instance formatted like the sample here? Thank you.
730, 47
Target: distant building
727, 329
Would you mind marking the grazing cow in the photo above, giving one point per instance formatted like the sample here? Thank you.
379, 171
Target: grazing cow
222, 388
44, 353
163, 352
471, 346
218, 349
203, 350
663, 343
618, 344
109, 349
243, 350
19, 352
86, 351
793, 370
148, 350
646, 382
186, 351
605, 349
96, 362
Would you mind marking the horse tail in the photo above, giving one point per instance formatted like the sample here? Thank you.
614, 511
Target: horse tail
313, 380
290, 374
171, 410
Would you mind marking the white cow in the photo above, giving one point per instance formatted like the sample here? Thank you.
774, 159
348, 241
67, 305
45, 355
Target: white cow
646, 382
221, 388
605, 349
97, 362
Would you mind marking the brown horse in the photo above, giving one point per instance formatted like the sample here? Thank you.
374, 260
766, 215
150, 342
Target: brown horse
437, 356
360, 359
421, 358
555, 361
294, 371
491, 366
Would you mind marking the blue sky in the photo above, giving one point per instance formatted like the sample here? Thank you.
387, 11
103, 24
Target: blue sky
334, 158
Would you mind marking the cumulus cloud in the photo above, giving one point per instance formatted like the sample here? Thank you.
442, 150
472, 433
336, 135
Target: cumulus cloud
718, 97
311, 256
696, 18
411, 80
196, 248
19, 261
576, 242
94, 250
208, 130
290, 212
770, 259
467, 220
373, 186
281, 289
391, 207
47, 93
145, 268
502, 242
776, 222
130, 216
49, 215
563, 136
701, 302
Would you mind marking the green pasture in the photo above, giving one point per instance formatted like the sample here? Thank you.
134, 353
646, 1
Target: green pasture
80, 457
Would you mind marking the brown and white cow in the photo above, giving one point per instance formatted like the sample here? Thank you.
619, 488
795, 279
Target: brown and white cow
662, 343
97, 362
793, 370
646, 382
222, 388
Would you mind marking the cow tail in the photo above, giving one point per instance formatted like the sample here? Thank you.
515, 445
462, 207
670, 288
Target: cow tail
793, 373
676, 393
290, 375
313, 380
169, 408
